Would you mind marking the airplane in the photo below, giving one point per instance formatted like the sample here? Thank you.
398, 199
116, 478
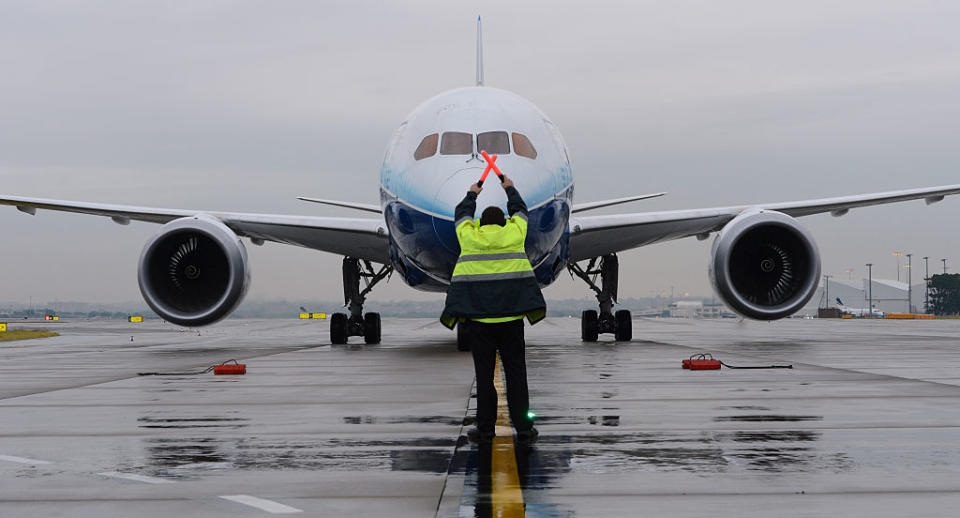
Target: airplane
859, 312
194, 271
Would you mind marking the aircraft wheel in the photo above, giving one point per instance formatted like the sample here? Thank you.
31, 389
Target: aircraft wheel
589, 326
463, 338
371, 328
624, 326
338, 328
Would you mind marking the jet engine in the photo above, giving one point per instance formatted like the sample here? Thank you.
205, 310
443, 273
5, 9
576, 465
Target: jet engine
764, 265
194, 271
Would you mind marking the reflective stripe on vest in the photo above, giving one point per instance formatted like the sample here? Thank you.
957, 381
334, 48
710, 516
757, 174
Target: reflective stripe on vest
476, 277
491, 257
491, 254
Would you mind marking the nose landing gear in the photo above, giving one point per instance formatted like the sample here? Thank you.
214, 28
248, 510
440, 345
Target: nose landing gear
592, 324
357, 323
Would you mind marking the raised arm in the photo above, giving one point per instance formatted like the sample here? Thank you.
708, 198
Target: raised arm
515, 204
467, 207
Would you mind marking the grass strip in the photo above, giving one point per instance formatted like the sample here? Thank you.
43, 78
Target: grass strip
25, 334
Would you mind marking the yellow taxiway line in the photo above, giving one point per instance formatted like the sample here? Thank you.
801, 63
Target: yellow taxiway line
507, 496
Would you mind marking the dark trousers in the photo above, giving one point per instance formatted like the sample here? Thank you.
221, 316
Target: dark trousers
485, 341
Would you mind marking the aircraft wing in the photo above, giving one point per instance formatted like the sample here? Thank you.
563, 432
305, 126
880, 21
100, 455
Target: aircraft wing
593, 236
363, 238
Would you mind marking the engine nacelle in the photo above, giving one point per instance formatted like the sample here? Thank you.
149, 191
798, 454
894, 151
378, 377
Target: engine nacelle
764, 265
194, 271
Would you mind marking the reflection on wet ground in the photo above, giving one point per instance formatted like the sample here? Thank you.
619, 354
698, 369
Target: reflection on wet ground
555, 455
762, 418
195, 455
192, 422
535, 472
434, 419
775, 450
542, 466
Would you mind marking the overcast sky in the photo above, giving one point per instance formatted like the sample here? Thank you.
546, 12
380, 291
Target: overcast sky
242, 106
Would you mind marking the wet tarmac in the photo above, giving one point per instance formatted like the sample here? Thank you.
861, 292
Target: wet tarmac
866, 424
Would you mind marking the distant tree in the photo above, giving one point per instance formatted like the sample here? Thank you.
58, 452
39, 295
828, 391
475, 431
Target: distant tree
944, 294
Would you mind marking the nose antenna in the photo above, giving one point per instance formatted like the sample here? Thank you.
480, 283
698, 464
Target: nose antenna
479, 53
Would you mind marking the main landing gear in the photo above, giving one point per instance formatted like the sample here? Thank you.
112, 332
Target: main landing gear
592, 324
358, 323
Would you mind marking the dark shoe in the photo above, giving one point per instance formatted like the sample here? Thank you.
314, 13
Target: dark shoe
528, 436
478, 436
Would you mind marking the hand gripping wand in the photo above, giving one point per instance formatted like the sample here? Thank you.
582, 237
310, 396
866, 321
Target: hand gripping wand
491, 165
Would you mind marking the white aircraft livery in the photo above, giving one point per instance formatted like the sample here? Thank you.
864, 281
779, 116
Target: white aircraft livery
194, 271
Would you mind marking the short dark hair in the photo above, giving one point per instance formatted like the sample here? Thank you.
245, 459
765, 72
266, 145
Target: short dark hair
492, 216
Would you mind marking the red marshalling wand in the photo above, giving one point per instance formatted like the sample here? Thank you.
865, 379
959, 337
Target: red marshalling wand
491, 165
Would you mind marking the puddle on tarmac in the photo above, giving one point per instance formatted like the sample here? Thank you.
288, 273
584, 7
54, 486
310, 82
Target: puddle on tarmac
763, 418
192, 422
701, 452
537, 470
770, 436
185, 457
705, 452
435, 419
596, 420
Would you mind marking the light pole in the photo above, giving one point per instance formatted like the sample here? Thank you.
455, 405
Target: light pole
826, 291
898, 255
849, 272
944, 266
870, 288
926, 284
909, 284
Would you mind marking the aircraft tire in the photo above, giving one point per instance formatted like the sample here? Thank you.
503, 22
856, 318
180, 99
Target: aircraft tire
589, 326
338, 328
371, 328
624, 326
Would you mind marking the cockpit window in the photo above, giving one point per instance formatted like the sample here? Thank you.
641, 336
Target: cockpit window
427, 147
523, 147
456, 143
494, 142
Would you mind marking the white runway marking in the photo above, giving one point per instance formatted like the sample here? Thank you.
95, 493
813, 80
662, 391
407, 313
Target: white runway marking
267, 505
138, 478
23, 460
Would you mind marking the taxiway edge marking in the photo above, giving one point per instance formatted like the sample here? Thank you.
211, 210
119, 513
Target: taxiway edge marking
136, 478
23, 460
263, 504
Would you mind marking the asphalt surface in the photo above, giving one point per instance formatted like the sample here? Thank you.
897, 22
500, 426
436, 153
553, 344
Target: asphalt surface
866, 424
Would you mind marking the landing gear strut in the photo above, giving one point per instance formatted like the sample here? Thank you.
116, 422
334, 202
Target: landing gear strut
358, 323
591, 323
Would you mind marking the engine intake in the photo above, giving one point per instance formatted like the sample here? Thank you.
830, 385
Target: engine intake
764, 265
194, 271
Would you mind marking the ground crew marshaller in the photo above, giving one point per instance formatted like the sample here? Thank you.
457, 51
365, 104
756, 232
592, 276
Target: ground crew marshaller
492, 289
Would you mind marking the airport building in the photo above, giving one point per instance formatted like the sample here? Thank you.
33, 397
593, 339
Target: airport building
697, 309
889, 296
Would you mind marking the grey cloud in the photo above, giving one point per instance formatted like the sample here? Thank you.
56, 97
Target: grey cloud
245, 105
